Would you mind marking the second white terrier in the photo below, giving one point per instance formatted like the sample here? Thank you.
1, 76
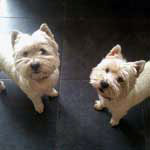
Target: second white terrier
32, 61
120, 84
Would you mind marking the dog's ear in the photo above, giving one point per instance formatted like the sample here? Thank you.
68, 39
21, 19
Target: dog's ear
44, 28
14, 35
115, 52
139, 66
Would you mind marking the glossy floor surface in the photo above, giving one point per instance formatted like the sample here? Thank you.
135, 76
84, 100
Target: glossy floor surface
85, 31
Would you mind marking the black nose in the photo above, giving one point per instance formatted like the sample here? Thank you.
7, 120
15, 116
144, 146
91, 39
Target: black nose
104, 85
35, 66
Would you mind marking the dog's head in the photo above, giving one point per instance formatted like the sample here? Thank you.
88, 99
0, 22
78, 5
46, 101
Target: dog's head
36, 56
113, 77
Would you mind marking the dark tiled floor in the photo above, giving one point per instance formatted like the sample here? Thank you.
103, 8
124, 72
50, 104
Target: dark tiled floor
85, 31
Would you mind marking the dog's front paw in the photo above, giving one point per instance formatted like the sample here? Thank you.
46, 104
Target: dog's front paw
98, 105
114, 122
39, 108
2, 86
53, 93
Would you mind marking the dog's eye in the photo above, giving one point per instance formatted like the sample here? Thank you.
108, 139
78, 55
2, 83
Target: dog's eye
43, 51
25, 54
107, 70
120, 79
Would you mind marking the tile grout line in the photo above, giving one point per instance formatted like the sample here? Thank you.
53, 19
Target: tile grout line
5, 79
59, 80
61, 59
29, 18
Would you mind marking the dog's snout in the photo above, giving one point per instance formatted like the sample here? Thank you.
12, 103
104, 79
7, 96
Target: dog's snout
35, 66
104, 85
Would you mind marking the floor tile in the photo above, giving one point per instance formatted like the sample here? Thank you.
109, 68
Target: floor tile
23, 128
68, 123
87, 41
81, 127
3, 76
32, 8
28, 25
146, 111
90, 9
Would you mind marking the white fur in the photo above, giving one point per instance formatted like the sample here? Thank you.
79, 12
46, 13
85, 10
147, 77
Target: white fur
119, 97
17, 64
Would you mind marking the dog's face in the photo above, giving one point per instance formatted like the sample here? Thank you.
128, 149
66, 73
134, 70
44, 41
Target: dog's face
113, 77
36, 56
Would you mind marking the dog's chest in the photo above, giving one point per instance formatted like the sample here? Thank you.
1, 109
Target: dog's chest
40, 87
118, 106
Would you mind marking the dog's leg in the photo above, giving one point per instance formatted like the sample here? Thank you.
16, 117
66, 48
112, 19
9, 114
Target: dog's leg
2, 86
38, 105
37, 102
116, 116
52, 92
99, 105
114, 121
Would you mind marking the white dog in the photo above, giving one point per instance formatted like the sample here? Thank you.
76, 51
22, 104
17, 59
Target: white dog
120, 85
32, 61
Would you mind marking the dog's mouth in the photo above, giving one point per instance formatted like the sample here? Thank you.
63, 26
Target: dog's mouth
39, 78
103, 94
101, 90
38, 75
108, 98
36, 72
